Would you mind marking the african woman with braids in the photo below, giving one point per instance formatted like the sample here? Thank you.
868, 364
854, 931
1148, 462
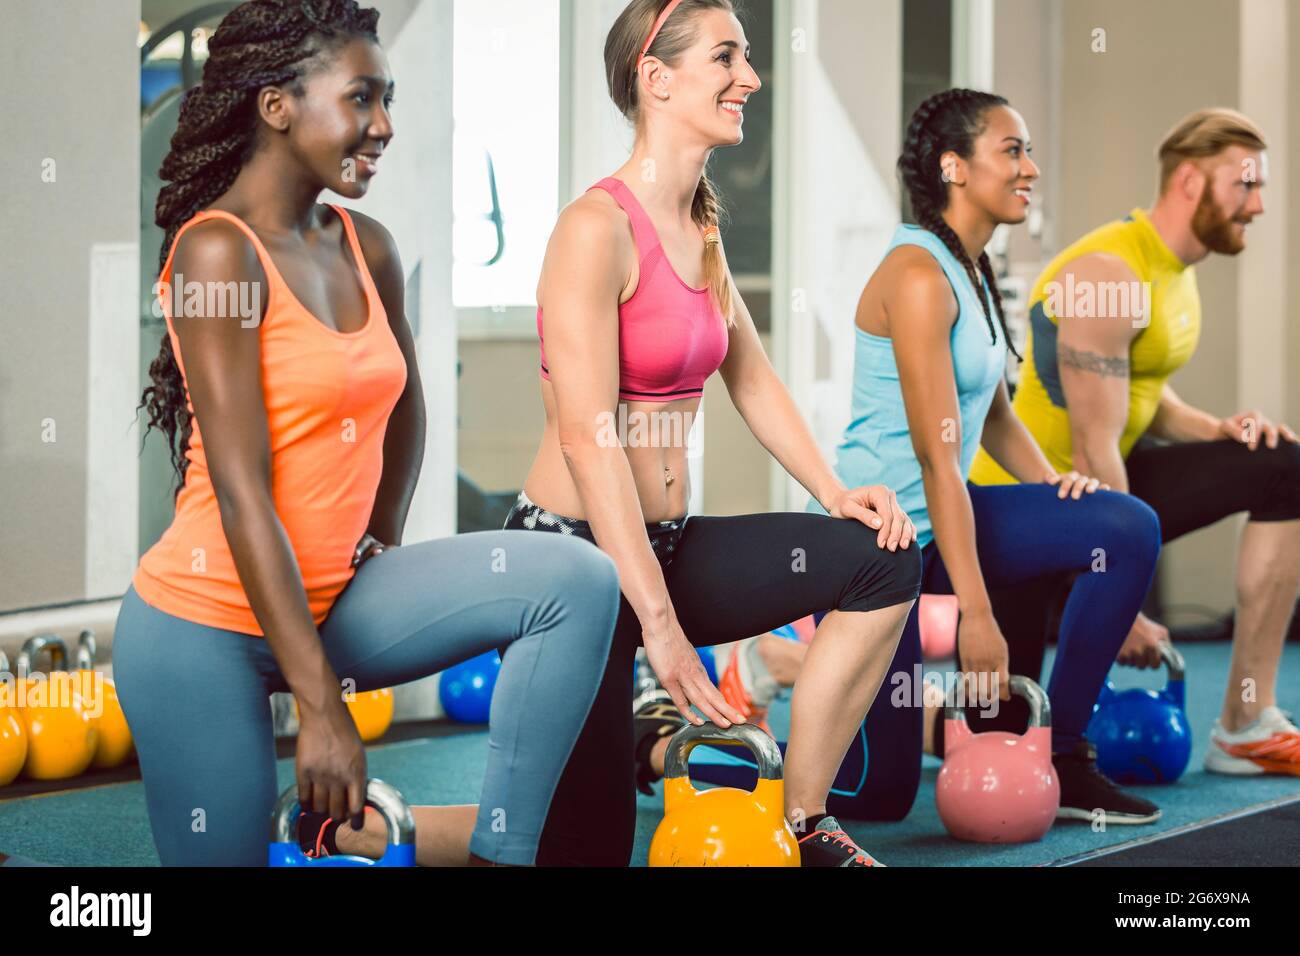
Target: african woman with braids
297, 430
928, 388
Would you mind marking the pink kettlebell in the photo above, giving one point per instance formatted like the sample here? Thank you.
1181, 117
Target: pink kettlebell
998, 787
937, 616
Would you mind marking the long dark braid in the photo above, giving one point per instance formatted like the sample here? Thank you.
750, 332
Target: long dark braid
258, 44
949, 121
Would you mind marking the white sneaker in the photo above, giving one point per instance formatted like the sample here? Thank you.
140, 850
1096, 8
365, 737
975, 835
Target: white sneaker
1270, 745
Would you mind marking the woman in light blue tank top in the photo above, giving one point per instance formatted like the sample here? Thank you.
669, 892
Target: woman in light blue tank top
928, 389
877, 441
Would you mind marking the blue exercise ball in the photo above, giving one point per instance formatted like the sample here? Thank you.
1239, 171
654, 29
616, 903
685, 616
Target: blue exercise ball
466, 689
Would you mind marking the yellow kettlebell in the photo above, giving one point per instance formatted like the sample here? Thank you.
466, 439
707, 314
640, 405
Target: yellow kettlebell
372, 712
61, 733
723, 826
100, 695
13, 734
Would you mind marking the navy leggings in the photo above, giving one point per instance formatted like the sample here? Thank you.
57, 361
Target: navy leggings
196, 697
1023, 534
1190, 485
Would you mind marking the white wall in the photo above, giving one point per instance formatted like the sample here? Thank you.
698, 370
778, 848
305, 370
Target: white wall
1263, 326
68, 386
836, 199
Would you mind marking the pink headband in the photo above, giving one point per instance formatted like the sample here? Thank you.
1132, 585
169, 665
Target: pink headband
659, 25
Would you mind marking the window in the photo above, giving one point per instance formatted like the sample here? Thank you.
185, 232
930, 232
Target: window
506, 148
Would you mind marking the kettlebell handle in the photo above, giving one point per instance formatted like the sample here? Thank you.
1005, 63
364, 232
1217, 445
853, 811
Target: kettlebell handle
764, 748
1040, 708
384, 797
87, 650
34, 645
1173, 660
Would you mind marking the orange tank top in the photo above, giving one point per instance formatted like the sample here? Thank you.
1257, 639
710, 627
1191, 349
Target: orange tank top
328, 397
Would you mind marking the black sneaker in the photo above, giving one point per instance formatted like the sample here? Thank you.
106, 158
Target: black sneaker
829, 845
654, 715
1086, 792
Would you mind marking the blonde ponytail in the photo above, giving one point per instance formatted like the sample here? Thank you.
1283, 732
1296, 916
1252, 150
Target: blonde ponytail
717, 276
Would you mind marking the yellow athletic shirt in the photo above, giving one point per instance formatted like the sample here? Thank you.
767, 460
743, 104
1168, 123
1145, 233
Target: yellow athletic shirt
1167, 288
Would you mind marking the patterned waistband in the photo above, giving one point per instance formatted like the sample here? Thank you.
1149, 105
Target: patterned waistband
549, 518
530, 516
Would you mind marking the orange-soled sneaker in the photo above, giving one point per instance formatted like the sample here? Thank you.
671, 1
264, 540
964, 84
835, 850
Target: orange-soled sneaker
829, 845
732, 686
1270, 745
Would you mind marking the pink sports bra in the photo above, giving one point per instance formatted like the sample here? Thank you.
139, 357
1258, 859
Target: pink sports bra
671, 337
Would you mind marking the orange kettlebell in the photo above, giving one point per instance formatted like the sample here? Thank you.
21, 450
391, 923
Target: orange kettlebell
723, 826
61, 733
13, 734
372, 712
100, 694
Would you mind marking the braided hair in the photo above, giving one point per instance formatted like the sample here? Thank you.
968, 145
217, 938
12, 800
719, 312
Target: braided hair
258, 44
949, 122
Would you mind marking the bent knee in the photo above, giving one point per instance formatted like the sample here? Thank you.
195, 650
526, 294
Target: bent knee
1280, 493
589, 575
881, 578
1130, 524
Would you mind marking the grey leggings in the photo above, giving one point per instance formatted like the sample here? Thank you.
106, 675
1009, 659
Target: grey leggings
196, 697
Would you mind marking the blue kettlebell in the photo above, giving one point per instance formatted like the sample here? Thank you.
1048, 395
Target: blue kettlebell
465, 690
1142, 736
385, 798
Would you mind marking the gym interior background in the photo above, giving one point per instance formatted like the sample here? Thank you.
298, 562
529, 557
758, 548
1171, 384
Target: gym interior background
93, 93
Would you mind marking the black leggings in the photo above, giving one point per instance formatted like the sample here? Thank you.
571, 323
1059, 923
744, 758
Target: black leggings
1190, 485
729, 579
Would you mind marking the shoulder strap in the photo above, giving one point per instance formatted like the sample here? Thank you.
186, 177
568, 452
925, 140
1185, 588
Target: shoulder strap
952, 269
354, 243
643, 229
272, 274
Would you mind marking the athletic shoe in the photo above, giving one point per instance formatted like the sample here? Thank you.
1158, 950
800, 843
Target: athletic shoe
829, 845
732, 686
654, 716
1269, 745
1085, 791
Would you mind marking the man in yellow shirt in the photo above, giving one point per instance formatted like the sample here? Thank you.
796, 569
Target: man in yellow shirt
1111, 318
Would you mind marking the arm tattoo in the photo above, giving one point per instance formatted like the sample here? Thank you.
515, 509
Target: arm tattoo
1092, 362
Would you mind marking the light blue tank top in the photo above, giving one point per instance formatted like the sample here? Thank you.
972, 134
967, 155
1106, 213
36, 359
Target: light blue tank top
877, 447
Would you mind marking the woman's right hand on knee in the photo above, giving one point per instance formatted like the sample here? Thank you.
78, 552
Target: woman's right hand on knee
331, 764
680, 671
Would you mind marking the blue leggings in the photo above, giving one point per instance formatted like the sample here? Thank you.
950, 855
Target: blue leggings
1024, 533
196, 697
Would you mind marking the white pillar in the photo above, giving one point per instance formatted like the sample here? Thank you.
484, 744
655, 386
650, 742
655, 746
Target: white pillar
972, 44
835, 205
1264, 268
112, 441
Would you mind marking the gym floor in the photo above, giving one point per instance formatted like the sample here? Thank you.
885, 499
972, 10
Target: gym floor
1208, 819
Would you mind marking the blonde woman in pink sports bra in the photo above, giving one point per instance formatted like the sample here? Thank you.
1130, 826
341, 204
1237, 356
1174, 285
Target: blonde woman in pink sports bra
636, 310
